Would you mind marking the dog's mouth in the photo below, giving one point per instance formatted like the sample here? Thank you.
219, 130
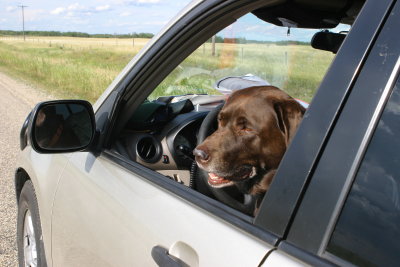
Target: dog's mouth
218, 181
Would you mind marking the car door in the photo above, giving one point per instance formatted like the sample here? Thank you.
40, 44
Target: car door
105, 215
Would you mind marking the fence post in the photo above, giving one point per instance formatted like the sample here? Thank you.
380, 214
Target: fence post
213, 46
286, 59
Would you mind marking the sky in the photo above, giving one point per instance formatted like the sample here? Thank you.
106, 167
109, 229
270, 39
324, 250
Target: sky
124, 17
90, 16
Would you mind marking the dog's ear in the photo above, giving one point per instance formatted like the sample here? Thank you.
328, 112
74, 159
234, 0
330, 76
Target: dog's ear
289, 114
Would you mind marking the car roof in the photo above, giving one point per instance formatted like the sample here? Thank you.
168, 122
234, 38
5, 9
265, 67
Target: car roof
314, 14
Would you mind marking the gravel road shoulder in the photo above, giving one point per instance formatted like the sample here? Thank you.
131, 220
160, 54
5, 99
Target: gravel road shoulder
16, 100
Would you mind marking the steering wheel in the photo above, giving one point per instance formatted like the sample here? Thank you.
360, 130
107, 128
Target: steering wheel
228, 195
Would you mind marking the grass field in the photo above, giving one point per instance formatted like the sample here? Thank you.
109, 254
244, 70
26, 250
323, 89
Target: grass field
68, 67
83, 67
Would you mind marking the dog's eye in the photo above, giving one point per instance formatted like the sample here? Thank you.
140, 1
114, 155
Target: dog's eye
243, 127
242, 123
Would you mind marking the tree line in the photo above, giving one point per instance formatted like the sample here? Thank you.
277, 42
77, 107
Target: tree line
218, 39
77, 34
243, 40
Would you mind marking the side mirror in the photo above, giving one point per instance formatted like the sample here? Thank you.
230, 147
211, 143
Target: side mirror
328, 41
61, 126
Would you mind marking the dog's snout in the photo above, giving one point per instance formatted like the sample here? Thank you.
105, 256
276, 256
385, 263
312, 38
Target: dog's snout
201, 154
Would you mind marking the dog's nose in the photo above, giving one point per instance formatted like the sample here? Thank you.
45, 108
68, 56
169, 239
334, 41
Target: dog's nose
200, 154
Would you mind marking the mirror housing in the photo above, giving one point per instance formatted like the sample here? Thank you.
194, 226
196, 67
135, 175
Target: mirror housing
328, 41
61, 126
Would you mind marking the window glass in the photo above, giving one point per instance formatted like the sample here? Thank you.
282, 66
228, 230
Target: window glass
368, 230
281, 56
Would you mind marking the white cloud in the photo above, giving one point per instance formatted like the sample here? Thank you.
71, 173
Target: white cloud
11, 8
57, 11
392, 106
103, 8
143, 1
384, 127
75, 6
123, 24
148, 1
144, 15
253, 28
70, 11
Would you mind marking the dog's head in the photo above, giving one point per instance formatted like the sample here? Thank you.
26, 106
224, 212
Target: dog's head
255, 127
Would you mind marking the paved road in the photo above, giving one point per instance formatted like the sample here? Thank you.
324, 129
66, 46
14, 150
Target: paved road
16, 100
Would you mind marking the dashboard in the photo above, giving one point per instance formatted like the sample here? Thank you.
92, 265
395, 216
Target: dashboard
164, 142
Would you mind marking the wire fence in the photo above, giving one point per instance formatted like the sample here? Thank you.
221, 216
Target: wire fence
79, 42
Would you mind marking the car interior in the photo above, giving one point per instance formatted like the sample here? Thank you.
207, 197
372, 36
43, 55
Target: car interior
181, 112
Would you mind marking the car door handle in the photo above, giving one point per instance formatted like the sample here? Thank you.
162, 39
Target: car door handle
164, 259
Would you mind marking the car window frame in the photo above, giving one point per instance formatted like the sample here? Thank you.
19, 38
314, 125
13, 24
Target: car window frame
323, 201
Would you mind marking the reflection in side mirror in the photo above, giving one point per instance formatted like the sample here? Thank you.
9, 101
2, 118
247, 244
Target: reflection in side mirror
62, 126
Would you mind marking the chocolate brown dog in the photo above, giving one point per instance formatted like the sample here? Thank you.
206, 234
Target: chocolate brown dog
255, 127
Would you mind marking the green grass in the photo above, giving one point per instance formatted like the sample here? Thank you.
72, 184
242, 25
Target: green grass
64, 72
83, 70
296, 69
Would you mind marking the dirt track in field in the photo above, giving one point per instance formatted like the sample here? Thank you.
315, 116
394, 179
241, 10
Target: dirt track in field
16, 100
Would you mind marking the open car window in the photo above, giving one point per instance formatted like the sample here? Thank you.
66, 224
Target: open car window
282, 56
166, 130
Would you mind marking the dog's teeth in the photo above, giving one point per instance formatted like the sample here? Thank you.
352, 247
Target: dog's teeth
253, 172
215, 177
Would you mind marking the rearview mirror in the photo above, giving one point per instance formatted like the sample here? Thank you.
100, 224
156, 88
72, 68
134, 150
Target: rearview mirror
328, 41
62, 126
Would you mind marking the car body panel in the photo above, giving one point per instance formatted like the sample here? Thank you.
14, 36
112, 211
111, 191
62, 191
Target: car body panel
105, 215
48, 168
278, 258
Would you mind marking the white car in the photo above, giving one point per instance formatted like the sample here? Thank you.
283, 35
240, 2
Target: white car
116, 184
